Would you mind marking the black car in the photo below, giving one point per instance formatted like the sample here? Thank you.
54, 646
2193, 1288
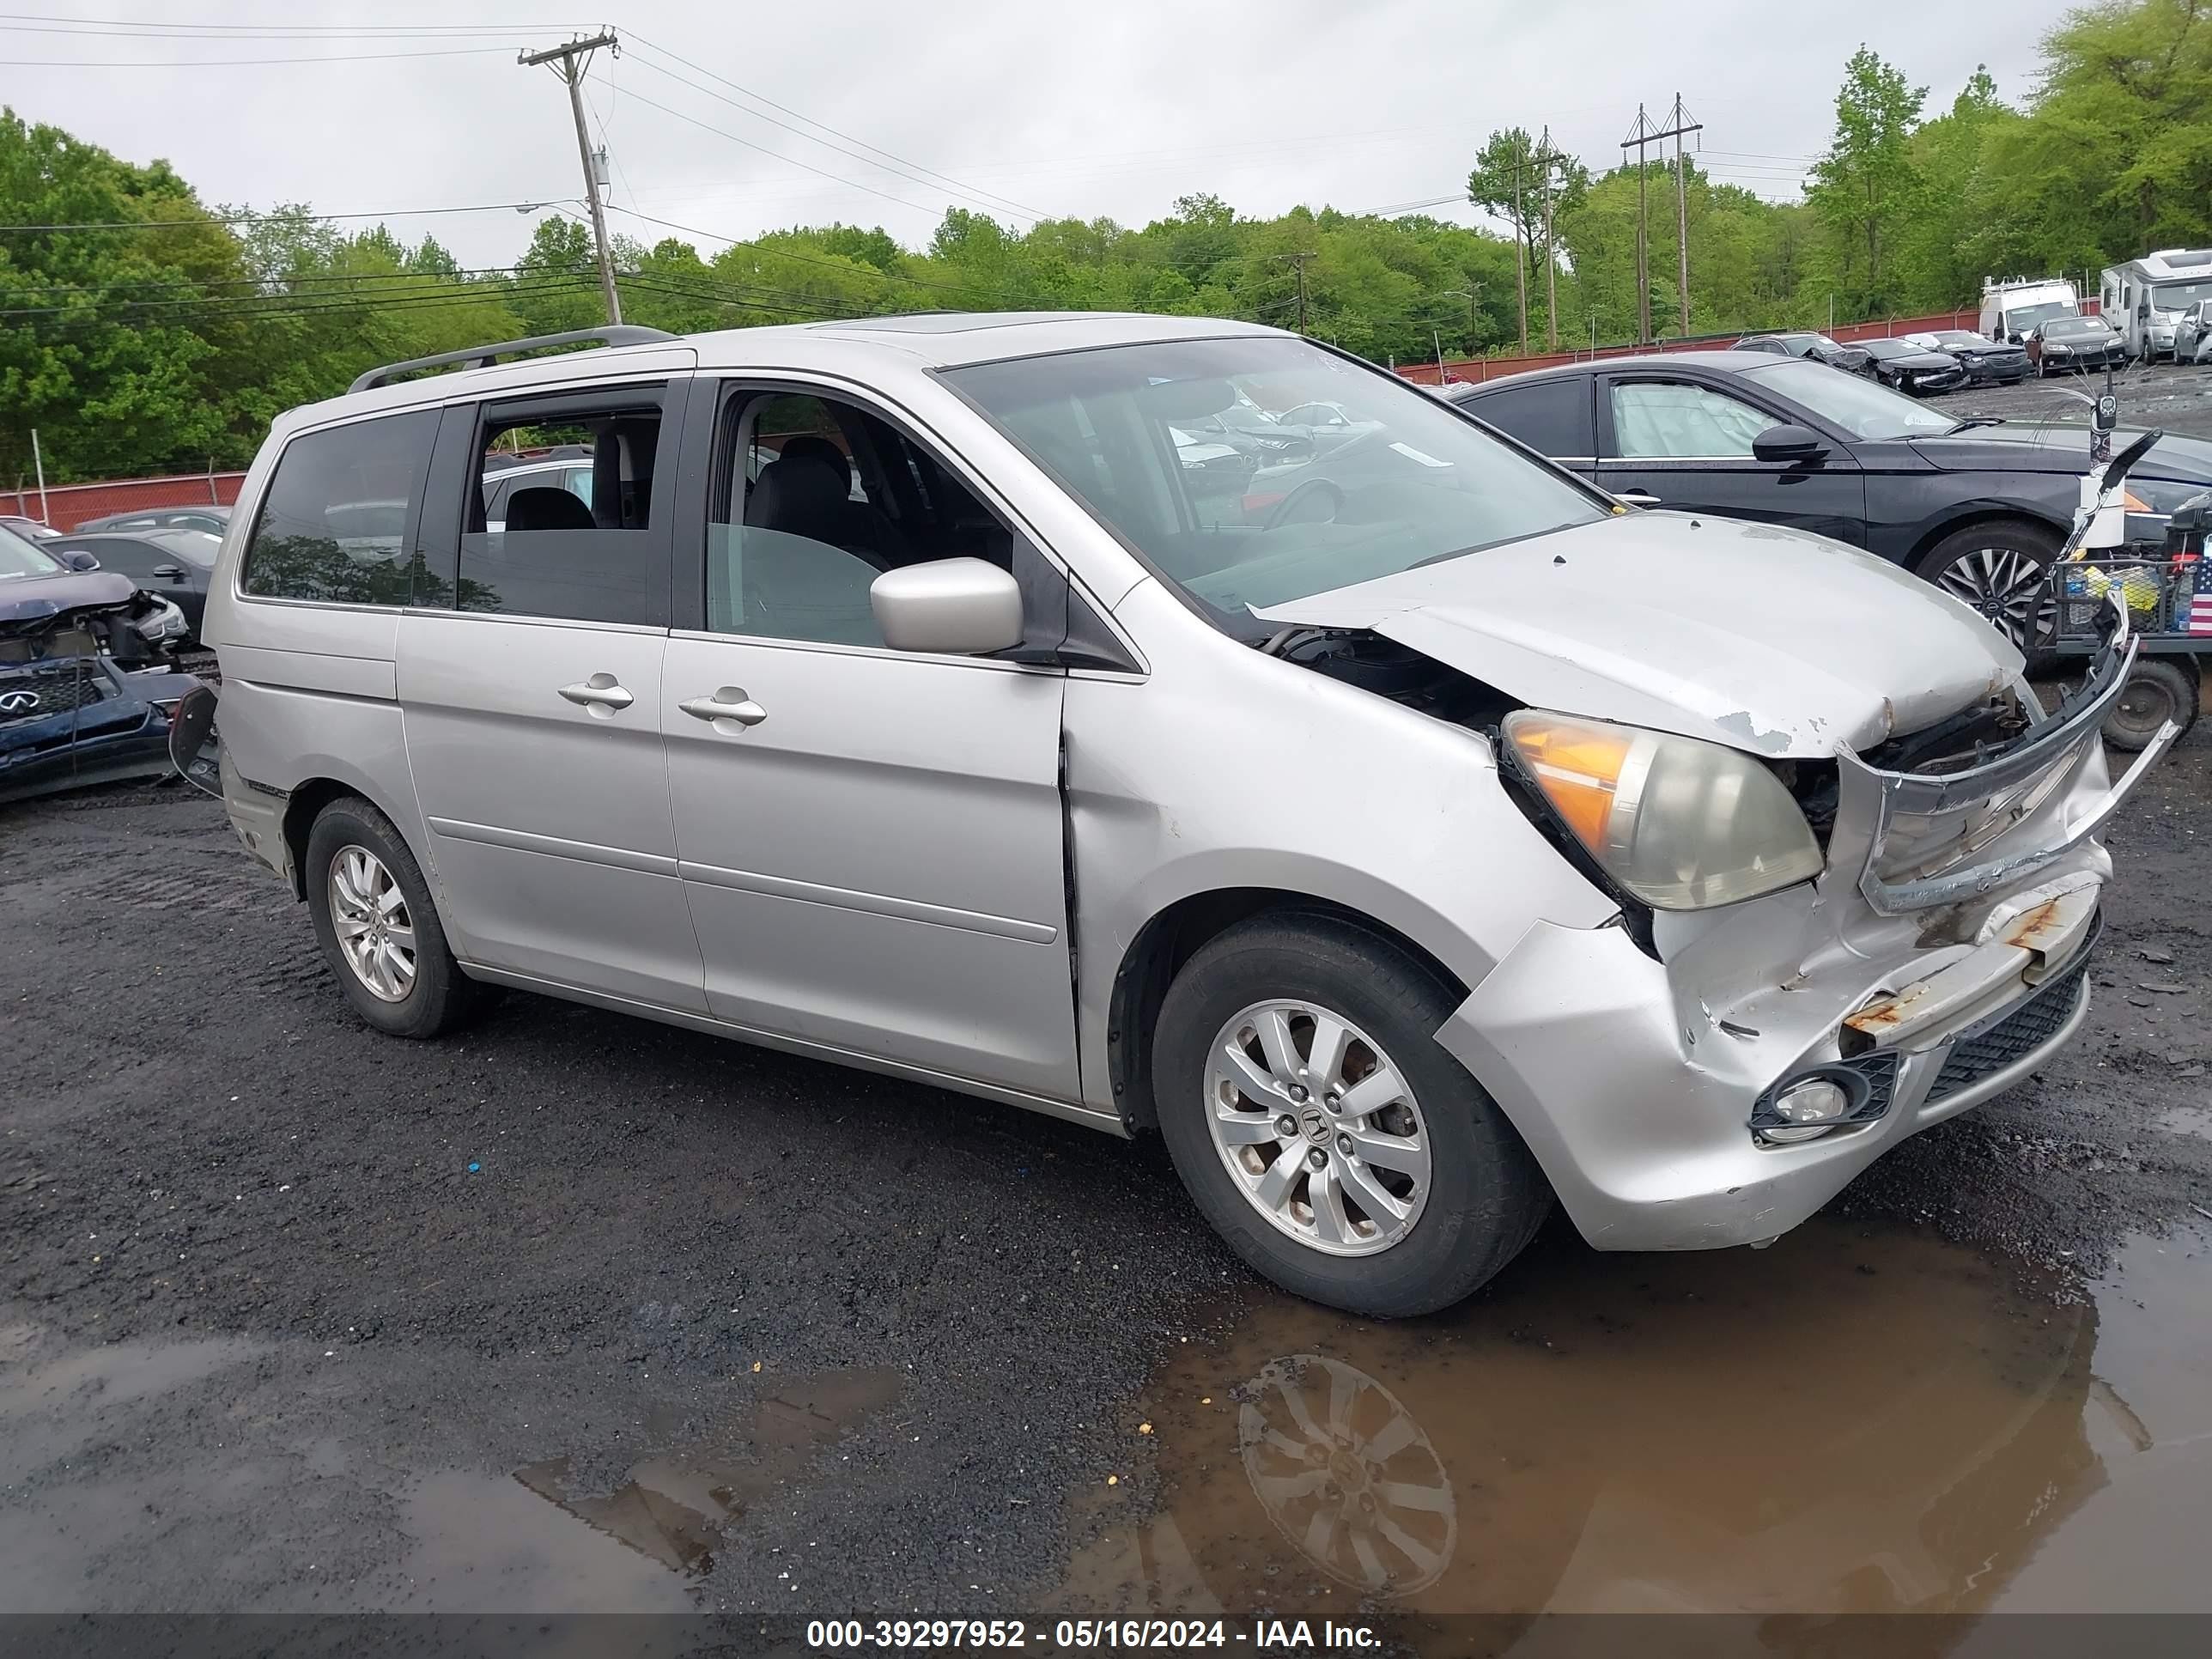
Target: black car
83, 697
1915, 370
2067, 345
174, 565
1976, 505
213, 520
1819, 348
1987, 362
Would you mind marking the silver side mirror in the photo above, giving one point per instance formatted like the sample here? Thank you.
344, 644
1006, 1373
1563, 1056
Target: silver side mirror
956, 607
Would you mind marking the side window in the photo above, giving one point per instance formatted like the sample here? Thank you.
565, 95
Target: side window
1673, 420
333, 524
124, 555
816, 499
1550, 416
581, 551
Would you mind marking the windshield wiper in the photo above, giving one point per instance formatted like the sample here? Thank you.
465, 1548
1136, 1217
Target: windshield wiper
1974, 421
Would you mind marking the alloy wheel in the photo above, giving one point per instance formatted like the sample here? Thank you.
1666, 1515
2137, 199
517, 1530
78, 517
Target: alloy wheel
1317, 1128
2007, 585
369, 914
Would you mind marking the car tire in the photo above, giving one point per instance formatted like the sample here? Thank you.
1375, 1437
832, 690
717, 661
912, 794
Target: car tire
1480, 1196
2159, 690
364, 887
1999, 565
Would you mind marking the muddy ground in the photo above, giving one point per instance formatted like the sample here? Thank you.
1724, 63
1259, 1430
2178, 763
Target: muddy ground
578, 1313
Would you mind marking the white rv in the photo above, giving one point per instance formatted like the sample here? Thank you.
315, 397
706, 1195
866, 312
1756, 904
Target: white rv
2145, 298
2011, 307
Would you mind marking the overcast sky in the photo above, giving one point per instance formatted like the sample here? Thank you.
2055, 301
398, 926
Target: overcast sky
1112, 108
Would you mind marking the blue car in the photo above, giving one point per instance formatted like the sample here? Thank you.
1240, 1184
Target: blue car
85, 696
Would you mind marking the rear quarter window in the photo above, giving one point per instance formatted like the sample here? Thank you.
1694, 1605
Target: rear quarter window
333, 525
1552, 417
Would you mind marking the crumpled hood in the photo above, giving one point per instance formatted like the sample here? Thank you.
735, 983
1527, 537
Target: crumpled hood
33, 604
1768, 640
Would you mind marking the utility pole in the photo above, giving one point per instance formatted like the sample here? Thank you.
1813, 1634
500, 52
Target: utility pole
1640, 135
1547, 158
39, 465
1520, 249
1298, 262
569, 63
1678, 123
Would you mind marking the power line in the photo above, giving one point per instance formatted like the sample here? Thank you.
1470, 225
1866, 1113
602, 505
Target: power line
252, 30
265, 282
284, 215
891, 162
234, 62
223, 307
637, 97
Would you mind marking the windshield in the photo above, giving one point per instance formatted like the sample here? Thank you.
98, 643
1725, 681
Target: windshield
2180, 296
2074, 328
1861, 407
2018, 321
1959, 336
18, 557
1414, 482
1892, 349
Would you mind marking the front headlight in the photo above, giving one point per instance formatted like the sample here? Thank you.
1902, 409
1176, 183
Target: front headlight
1678, 823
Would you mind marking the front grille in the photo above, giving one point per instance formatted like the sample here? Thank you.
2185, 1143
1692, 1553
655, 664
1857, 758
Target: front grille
1995, 1042
57, 690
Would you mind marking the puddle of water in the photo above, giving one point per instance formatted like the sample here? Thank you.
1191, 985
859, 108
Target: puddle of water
485, 1546
2187, 1121
1846, 1423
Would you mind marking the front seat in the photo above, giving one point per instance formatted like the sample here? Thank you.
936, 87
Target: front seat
801, 495
543, 507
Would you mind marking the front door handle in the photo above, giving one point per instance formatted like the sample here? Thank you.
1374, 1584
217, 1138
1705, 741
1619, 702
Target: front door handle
729, 702
601, 695
1636, 497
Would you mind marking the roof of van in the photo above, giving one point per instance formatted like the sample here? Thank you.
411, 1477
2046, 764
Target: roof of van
906, 342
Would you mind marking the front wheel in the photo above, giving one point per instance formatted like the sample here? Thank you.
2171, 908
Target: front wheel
1319, 1126
1999, 568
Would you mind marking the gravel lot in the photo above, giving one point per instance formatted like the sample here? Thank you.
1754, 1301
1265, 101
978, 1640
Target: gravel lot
296, 1318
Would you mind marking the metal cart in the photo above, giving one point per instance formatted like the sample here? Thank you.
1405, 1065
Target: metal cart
2168, 599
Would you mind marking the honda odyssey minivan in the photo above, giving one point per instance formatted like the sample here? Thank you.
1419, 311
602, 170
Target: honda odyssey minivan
1410, 844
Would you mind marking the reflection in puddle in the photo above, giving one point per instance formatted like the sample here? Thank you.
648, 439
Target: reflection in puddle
1846, 1423
674, 1508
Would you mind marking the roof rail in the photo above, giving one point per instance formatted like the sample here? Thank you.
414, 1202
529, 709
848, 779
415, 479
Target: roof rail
483, 356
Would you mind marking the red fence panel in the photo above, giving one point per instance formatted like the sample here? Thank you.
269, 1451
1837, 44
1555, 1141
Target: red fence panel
68, 506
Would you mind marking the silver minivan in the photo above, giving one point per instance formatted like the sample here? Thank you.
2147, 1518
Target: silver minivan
1407, 832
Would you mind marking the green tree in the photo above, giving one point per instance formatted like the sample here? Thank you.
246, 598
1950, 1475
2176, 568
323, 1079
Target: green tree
1867, 184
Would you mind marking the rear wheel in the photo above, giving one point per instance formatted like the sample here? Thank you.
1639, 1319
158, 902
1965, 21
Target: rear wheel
2159, 690
1999, 567
1323, 1132
378, 926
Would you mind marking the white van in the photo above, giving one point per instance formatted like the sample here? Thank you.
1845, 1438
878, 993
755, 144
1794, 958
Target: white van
2010, 308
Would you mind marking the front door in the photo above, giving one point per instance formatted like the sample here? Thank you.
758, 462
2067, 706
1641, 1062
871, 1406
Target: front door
870, 840
1676, 442
531, 696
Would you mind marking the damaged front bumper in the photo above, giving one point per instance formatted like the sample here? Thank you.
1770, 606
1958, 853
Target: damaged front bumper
1940, 959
